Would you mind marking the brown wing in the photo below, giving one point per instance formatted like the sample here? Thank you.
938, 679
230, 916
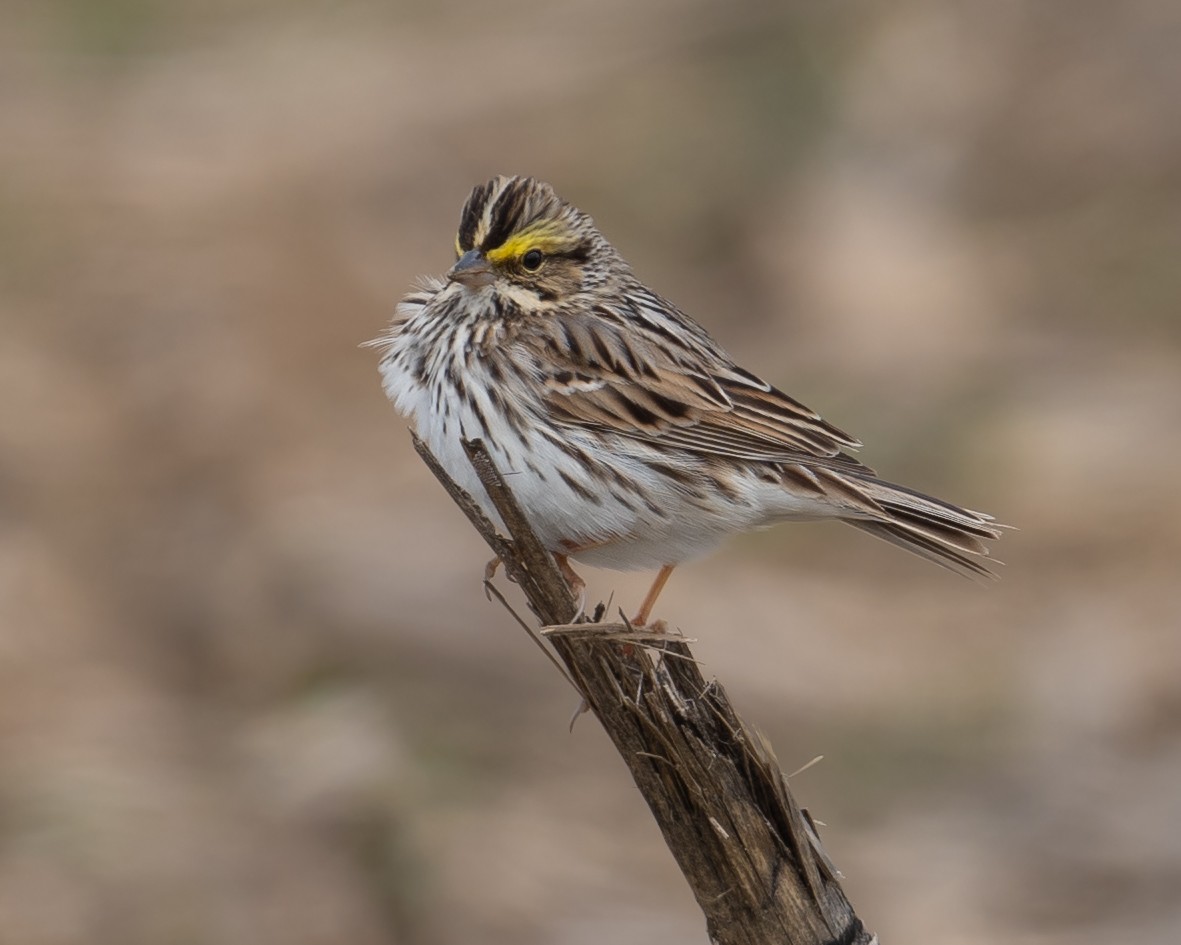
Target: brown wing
644, 380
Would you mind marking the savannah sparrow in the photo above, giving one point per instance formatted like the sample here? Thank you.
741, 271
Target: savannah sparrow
630, 438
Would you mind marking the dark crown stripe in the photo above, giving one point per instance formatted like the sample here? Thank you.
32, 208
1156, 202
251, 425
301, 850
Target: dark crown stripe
506, 214
469, 220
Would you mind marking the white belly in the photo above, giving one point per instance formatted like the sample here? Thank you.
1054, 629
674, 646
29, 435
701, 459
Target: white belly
618, 514
597, 500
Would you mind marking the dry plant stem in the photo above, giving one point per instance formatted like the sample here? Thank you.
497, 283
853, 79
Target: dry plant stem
750, 854
525, 560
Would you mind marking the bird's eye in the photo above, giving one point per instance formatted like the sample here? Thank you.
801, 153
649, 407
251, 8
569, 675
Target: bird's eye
532, 260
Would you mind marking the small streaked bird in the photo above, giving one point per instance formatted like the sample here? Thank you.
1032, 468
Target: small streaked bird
630, 438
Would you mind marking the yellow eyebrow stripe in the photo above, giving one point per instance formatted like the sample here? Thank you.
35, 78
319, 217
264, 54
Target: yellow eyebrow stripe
543, 238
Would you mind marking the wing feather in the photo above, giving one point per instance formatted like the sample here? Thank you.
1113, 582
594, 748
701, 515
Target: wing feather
613, 370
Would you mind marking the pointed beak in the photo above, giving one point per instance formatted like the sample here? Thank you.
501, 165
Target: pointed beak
472, 270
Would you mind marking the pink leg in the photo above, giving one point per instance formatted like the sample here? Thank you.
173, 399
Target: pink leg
577, 584
641, 619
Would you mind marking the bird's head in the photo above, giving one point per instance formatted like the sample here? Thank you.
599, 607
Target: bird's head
517, 235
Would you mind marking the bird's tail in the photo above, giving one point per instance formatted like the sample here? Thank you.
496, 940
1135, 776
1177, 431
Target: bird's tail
952, 537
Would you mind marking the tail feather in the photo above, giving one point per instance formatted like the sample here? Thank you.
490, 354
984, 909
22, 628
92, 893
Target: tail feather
946, 534
925, 547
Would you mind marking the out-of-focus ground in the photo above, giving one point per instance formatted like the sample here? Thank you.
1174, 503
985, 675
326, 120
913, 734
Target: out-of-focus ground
250, 688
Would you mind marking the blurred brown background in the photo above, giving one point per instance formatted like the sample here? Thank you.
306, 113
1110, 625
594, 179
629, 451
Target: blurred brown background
250, 689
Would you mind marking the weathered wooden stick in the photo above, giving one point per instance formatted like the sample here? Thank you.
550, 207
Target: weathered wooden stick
750, 854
